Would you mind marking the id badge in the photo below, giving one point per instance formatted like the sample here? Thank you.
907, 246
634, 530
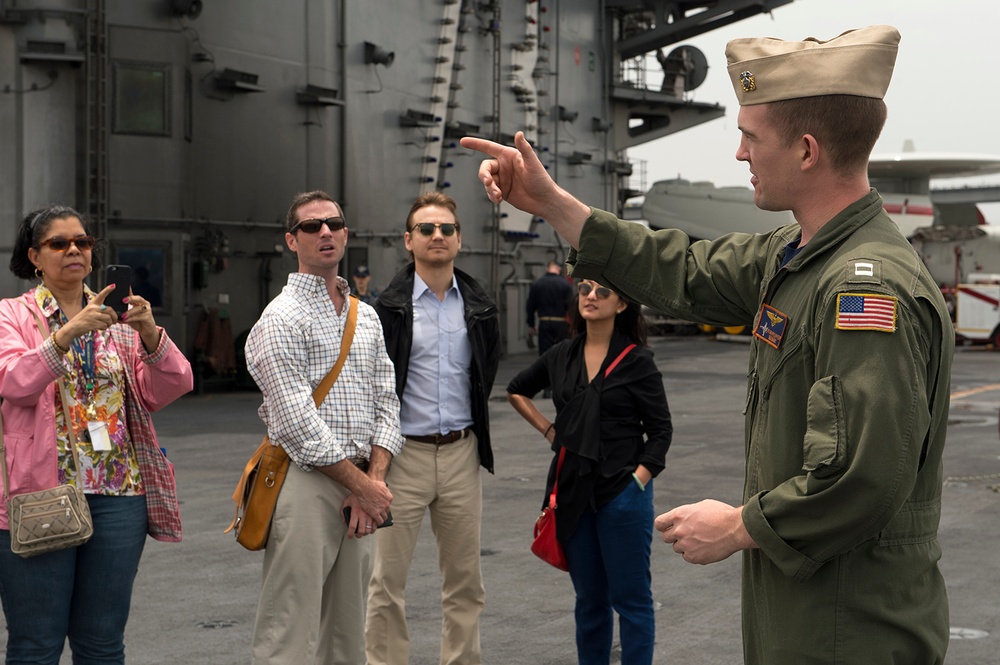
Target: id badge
100, 438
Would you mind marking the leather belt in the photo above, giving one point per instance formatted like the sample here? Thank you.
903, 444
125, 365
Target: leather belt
361, 464
441, 439
552, 318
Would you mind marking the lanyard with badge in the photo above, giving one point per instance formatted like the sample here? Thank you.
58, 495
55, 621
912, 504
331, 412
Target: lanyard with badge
100, 437
83, 348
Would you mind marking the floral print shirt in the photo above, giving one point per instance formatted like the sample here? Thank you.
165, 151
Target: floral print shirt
114, 471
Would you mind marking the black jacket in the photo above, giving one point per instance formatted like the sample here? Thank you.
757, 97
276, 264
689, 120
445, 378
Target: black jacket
482, 321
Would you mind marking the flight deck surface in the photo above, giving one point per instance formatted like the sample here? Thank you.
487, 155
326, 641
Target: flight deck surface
195, 601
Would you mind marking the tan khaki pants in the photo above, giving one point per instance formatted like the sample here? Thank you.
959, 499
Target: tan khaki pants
312, 599
446, 480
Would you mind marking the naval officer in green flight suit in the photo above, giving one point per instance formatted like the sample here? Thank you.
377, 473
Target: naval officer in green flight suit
850, 362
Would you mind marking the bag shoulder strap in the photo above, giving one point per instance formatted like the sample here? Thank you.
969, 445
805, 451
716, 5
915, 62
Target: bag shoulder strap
319, 394
69, 420
345, 345
3, 464
614, 363
562, 450
555, 485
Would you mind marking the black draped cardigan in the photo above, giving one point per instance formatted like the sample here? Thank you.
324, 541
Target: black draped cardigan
601, 423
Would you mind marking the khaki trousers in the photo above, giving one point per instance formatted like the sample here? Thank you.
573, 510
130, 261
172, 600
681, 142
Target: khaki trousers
312, 599
446, 480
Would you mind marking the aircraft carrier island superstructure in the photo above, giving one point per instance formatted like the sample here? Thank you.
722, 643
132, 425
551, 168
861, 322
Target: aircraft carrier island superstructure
184, 127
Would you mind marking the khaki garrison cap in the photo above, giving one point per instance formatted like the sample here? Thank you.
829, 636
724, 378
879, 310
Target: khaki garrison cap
857, 62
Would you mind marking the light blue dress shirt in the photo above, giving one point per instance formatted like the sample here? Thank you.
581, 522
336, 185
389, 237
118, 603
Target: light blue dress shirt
437, 398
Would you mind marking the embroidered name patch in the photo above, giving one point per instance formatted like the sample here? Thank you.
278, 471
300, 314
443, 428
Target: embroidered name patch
770, 325
866, 311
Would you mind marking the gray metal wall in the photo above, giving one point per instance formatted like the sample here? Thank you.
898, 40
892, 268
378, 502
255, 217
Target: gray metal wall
212, 192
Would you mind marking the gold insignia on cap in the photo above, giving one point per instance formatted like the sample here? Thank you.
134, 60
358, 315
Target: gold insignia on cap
857, 62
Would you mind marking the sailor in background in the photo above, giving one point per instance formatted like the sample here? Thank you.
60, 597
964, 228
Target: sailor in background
362, 279
549, 297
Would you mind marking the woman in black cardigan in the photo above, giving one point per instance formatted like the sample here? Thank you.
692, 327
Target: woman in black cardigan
615, 426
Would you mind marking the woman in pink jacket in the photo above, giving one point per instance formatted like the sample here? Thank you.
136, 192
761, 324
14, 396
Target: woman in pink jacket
110, 372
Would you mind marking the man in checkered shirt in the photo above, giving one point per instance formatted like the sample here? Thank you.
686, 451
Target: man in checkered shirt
318, 561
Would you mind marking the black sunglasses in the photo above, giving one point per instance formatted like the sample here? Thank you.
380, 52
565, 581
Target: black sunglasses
602, 292
427, 229
316, 225
60, 244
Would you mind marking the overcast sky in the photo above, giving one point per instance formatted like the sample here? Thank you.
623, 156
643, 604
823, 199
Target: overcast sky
944, 94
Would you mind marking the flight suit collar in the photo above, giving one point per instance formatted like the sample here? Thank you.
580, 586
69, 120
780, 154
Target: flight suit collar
849, 220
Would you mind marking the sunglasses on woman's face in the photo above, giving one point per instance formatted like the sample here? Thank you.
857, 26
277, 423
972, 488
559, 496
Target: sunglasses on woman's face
602, 292
315, 225
60, 244
427, 229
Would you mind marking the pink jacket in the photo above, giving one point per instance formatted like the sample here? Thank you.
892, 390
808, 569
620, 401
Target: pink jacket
29, 367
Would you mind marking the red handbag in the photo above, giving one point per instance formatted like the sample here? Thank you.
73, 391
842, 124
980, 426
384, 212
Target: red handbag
545, 545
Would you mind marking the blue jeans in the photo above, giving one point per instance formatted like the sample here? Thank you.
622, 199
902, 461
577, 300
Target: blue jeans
608, 559
83, 593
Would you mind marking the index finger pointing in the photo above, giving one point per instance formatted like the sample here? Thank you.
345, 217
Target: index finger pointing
103, 293
491, 148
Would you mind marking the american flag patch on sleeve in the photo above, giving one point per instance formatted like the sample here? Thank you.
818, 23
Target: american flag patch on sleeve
866, 311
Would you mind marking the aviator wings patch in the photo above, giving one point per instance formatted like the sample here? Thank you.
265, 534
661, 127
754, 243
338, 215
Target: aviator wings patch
771, 325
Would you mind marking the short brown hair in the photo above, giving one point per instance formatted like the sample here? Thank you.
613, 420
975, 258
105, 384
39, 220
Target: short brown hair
304, 198
845, 125
433, 199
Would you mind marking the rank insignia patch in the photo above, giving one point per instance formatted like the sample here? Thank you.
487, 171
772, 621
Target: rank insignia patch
864, 271
770, 325
747, 81
866, 311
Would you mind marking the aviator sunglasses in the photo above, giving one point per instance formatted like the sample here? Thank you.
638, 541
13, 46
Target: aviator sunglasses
427, 229
60, 244
315, 225
602, 292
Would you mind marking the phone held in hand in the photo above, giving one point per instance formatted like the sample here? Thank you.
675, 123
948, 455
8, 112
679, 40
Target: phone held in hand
347, 518
121, 277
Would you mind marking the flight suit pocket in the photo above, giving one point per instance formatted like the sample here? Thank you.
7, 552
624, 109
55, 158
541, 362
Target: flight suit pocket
916, 522
824, 447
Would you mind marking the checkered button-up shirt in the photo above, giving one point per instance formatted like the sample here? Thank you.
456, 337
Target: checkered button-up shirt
292, 347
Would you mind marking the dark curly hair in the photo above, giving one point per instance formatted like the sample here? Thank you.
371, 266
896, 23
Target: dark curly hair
629, 322
33, 227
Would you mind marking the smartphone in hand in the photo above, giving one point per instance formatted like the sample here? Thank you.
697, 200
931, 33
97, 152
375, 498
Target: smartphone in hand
347, 518
121, 277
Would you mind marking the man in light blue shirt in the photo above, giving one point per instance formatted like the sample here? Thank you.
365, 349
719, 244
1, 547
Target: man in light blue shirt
437, 396
442, 333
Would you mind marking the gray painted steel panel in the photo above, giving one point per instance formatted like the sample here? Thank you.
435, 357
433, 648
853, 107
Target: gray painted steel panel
213, 191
